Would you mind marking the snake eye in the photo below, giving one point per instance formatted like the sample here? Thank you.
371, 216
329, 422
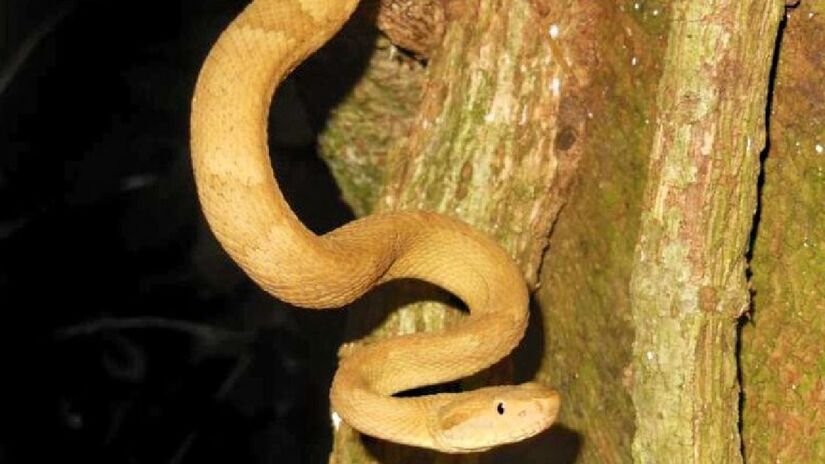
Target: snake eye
500, 409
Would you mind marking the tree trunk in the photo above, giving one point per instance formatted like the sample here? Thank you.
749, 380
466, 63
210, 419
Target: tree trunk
689, 284
520, 94
493, 142
585, 274
783, 353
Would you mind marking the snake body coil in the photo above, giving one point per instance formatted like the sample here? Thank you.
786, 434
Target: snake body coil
253, 222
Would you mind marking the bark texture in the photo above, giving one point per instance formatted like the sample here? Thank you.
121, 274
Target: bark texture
494, 137
520, 94
783, 353
377, 113
585, 274
494, 142
415, 25
689, 284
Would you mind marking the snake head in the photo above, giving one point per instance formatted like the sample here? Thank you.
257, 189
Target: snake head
488, 417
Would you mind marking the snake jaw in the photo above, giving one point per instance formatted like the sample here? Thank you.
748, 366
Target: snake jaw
479, 420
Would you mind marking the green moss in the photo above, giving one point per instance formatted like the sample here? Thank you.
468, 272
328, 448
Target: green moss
783, 357
364, 126
585, 274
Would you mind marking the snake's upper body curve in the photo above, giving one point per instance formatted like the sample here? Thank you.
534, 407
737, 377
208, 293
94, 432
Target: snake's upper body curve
253, 222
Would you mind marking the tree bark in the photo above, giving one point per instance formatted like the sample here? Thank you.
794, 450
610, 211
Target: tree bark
584, 297
493, 142
518, 96
377, 113
783, 353
689, 284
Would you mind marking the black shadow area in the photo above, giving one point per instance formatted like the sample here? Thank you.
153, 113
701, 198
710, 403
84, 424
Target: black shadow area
129, 336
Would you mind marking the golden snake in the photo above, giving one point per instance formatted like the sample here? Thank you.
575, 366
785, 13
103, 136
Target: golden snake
251, 219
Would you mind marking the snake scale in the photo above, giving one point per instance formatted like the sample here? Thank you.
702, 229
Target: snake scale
249, 216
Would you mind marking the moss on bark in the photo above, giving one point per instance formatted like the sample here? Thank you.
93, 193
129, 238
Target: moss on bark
689, 284
375, 115
586, 272
783, 353
676, 89
494, 142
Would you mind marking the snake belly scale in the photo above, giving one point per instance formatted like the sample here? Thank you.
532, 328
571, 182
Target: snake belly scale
248, 214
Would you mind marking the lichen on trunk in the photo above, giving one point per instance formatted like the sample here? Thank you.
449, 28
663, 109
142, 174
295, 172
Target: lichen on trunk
493, 142
519, 95
585, 274
689, 284
783, 353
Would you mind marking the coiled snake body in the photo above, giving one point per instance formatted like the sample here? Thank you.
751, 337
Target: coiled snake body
253, 222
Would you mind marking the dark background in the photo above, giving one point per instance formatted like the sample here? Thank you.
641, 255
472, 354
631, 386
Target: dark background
128, 335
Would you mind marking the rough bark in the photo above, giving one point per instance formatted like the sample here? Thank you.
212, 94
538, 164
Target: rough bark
377, 112
629, 88
689, 284
415, 25
494, 142
585, 274
783, 353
